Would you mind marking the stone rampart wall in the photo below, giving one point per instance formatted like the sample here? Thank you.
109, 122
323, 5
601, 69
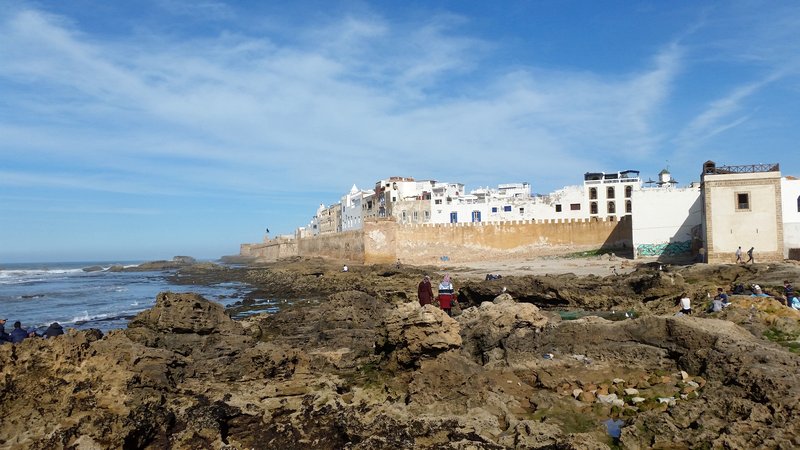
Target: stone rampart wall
453, 243
347, 245
386, 241
271, 250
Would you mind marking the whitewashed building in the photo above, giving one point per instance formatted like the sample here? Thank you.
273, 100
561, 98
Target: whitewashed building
352, 208
667, 220
790, 204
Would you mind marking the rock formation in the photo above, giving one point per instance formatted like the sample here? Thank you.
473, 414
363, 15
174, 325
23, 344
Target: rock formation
363, 371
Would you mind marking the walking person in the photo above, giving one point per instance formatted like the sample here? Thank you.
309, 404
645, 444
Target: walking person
739, 255
425, 291
750, 256
446, 295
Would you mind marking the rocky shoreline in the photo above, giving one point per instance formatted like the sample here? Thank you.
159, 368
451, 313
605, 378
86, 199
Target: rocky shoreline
360, 365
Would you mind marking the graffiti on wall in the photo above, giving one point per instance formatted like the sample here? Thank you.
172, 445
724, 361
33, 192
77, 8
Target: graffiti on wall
665, 249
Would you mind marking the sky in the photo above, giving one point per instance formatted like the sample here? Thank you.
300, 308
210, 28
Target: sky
146, 129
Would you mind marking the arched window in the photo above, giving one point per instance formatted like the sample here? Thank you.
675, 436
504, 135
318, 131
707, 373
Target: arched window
628, 207
592, 193
612, 209
798, 204
610, 192
628, 191
593, 208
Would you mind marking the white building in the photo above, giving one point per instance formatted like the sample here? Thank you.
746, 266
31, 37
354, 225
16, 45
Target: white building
352, 208
790, 205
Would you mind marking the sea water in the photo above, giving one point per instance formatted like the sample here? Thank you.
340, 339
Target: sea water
39, 294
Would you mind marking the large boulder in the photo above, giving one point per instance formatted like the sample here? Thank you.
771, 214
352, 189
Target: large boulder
412, 332
486, 329
186, 313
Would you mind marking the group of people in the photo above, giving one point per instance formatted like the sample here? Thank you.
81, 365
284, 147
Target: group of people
749, 256
721, 300
446, 297
19, 334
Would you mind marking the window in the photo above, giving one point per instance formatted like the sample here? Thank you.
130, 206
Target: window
593, 193
610, 192
494, 208
394, 199
507, 208
438, 201
476, 216
743, 201
416, 215
593, 208
522, 211
628, 191
574, 206
453, 217
558, 208
404, 216
798, 204
628, 207
427, 215
611, 208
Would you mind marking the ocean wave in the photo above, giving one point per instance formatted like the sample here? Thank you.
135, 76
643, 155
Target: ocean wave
86, 317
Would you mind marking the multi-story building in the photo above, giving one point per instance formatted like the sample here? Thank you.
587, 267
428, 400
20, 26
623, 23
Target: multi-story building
611, 194
352, 208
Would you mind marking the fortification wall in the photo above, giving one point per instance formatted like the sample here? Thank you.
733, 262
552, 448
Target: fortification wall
347, 245
386, 241
270, 250
453, 243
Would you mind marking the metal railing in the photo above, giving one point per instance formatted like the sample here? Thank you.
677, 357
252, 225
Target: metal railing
748, 168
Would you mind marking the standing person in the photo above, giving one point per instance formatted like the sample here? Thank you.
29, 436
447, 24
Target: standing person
750, 256
4, 337
739, 255
788, 292
686, 304
446, 295
18, 334
425, 291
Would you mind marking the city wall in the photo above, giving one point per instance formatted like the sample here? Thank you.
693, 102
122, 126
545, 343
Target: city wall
385, 241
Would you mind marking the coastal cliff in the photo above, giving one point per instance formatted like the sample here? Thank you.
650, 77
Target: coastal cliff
375, 371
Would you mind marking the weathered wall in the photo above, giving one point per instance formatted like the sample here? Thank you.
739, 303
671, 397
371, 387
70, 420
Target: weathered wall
348, 245
271, 250
380, 241
386, 241
453, 243
760, 226
664, 221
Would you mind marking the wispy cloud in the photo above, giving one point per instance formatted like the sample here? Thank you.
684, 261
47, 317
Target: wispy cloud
349, 94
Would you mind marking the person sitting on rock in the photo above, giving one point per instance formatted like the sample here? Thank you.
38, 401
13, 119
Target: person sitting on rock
18, 334
723, 297
446, 295
55, 329
686, 304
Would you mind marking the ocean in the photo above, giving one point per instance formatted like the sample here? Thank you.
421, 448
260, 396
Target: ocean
38, 294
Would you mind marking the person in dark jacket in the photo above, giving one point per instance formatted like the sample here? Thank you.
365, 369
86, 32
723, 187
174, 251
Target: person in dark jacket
425, 291
53, 330
4, 337
18, 334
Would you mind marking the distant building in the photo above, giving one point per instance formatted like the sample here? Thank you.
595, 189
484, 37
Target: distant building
742, 207
790, 201
667, 220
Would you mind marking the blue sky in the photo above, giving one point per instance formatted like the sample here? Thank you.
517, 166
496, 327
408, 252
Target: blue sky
147, 129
